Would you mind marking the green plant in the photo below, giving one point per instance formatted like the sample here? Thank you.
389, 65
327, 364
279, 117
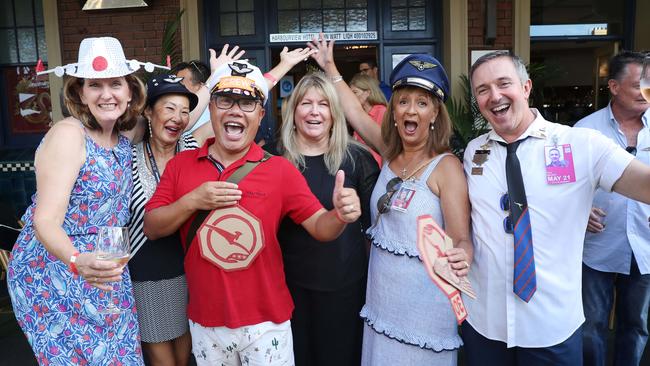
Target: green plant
466, 118
170, 43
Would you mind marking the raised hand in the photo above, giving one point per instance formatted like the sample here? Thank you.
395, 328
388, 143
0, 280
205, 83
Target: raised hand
346, 202
224, 57
212, 195
293, 57
325, 51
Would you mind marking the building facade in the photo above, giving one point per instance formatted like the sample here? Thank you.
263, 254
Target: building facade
569, 65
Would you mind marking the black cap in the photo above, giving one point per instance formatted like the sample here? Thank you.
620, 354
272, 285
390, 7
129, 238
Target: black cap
161, 85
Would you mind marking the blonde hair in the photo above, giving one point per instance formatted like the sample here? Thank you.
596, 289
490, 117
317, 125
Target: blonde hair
371, 85
72, 98
339, 139
438, 140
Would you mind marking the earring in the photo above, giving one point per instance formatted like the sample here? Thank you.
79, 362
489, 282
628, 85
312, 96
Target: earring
395, 124
150, 129
432, 127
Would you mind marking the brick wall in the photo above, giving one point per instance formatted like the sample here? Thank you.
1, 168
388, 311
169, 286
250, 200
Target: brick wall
140, 30
476, 25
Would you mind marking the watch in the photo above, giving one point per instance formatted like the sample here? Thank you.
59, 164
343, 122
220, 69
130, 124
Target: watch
72, 266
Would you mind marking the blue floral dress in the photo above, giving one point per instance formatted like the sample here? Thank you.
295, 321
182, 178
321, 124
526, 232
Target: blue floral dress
58, 311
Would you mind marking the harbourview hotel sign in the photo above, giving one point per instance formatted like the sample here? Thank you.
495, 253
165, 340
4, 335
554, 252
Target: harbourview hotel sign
338, 36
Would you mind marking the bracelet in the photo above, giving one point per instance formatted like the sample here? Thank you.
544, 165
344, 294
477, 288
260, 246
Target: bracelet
72, 266
270, 77
336, 79
338, 217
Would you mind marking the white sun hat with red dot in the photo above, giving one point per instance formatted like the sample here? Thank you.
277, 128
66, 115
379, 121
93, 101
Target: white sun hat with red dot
101, 58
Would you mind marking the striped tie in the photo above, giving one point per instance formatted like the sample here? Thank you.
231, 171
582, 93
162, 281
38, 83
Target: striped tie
524, 283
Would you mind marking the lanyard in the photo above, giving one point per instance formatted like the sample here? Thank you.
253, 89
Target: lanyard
152, 160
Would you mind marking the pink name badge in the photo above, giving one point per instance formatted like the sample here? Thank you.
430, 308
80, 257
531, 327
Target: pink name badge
402, 198
559, 164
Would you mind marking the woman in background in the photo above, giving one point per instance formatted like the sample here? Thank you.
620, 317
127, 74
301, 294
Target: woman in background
373, 101
327, 280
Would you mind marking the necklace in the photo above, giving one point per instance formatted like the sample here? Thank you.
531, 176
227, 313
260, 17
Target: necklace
406, 168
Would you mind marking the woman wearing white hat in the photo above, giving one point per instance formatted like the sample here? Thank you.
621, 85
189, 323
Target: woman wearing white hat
83, 178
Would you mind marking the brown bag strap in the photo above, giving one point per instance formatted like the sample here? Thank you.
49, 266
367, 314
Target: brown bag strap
236, 177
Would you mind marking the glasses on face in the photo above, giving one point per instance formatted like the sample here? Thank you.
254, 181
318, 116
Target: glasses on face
504, 203
225, 102
631, 150
383, 204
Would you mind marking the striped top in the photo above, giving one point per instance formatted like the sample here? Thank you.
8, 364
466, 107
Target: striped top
144, 185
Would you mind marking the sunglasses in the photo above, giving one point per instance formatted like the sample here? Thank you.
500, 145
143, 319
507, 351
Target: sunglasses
631, 150
393, 185
504, 203
197, 68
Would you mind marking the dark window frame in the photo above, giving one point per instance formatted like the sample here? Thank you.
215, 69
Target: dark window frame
432, 29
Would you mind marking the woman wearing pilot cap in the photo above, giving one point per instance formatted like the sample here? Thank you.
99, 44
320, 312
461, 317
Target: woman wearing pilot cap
408, 319
83, 179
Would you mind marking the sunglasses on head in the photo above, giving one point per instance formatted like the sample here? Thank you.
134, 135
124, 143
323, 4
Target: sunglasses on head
393, 185
197, 68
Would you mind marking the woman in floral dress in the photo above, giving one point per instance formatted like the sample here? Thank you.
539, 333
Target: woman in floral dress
83, 176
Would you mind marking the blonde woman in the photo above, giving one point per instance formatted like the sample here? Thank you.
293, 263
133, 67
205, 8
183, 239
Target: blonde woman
327, 281
373, 101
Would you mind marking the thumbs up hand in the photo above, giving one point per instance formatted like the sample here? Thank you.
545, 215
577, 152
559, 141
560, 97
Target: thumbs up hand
346, 201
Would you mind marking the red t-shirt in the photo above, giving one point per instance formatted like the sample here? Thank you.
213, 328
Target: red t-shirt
273, 189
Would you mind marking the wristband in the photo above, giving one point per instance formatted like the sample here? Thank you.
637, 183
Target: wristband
270, 77
72, 266
211, 82
338, 217
336, 79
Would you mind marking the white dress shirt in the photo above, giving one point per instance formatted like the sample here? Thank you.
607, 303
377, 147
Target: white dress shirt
627, 230
558, 215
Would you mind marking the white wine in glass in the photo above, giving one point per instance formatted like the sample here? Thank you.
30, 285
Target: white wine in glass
645, 78
113, 245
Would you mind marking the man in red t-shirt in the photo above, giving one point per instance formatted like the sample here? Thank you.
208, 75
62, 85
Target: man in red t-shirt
239, 306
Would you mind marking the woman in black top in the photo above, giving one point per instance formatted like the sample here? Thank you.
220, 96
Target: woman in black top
327, 280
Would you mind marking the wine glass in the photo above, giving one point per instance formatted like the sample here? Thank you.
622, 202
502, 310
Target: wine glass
113, 245
645, 78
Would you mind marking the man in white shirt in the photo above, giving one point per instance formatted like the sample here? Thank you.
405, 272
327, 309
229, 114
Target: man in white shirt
618, 258
540, 325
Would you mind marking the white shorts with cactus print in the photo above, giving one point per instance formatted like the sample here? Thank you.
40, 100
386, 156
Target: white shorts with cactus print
265, 343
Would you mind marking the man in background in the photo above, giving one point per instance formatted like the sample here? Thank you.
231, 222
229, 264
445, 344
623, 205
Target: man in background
369, 67
194, 73
618, 258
